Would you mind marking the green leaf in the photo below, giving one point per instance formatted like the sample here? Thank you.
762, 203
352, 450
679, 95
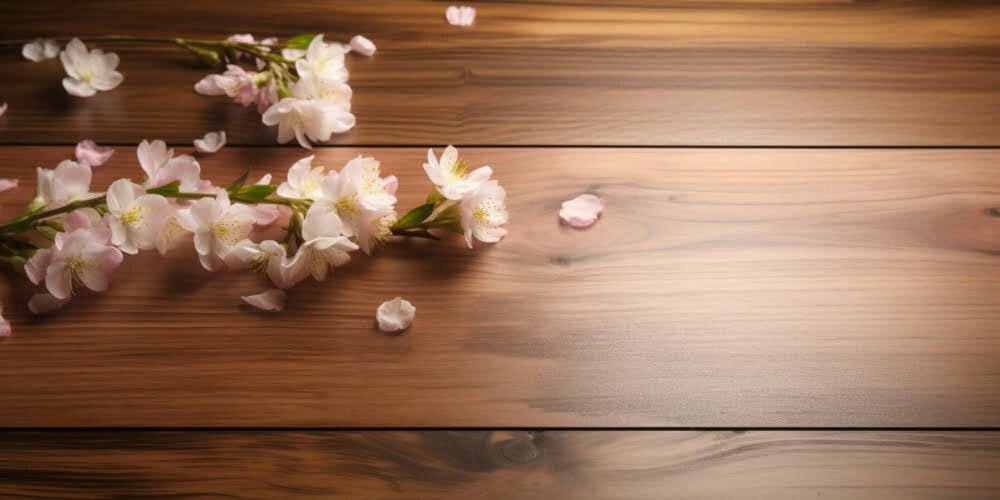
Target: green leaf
166, 189
254, 193
238, 183
300, 42
434, 196
414, 217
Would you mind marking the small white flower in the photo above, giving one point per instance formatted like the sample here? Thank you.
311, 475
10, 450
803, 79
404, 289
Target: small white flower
40, 49
212, 142
87, 151
272, 300
357, 191
451, 175
362, 45
395, 315
483, 212
172, 231
88, 71
582, 211
303, 180
218, 225
311, 87
135, 218
307, 120
324, 246
267, 257
325, 60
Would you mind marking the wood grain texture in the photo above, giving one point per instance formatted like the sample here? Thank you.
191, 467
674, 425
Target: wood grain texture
573, 73
722, 288
522, 465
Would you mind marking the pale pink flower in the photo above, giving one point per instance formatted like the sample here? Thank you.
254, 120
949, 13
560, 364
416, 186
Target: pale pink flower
4, 325
324, 60
218, 225
395, 315
460, 16
44, 303
324, 246
313, 88
483, 212
88, 71
172, 232
87, 151
83, 257
267, 257
7, 184
374, 228
272, 300
211, 142
235, 82
358, 193
451, 175
162, 167
135, 218
40, 49
582, 211
307, 120
303, 180
69, 181
362, 45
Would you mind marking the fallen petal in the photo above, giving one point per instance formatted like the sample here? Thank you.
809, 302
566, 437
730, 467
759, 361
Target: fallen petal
582, 211
460, 16
4, 324
6, 184
87, 151
395, 315
44, 303
272, 300
212, 142
3, 109
362, 45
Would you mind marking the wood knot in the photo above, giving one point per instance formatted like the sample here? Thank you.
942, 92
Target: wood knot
516, 447
994, 211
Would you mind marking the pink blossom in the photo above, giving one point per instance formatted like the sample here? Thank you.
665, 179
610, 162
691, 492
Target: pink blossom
483, 212
82, 257
582, 211
460, 16
69, 181
88, 71
162, 167
87, 151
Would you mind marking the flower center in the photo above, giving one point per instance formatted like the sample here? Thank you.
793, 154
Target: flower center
348, 206
459, 171
226, 231
132, 217
78, 267
259, 263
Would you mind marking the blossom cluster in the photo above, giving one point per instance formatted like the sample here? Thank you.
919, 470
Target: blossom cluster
328, 215
300, 86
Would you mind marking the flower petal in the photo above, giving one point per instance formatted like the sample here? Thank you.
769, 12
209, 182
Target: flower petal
78, 88
87, 151
582, 211
272, 300
395, 315
44, 303
4, 324
362, 45
212, 142
3, 108
7, 184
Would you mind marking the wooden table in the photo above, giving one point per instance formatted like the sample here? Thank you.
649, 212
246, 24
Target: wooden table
794, 291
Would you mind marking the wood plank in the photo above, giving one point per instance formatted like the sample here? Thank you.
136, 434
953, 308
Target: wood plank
581, 73
480, 464
722, 288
